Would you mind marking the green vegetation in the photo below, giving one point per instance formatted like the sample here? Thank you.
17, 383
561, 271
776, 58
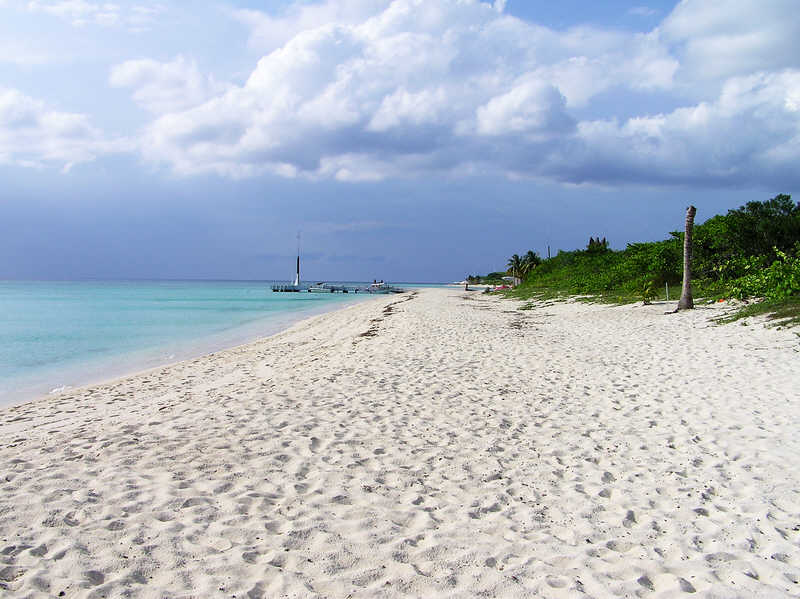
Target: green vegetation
522, 267
518, 267
785, 312
752, 252
493, 278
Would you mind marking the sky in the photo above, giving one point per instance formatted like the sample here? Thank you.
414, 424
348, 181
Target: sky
407, 140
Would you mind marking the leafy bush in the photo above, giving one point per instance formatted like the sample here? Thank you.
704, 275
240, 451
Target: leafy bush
661, 261
647, 289
755, 229
779, 280
752, 251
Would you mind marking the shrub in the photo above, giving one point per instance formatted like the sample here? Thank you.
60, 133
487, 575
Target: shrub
779, 280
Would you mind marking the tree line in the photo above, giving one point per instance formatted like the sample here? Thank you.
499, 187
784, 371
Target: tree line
752, 251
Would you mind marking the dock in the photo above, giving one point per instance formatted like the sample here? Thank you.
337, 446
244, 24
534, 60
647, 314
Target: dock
375, 288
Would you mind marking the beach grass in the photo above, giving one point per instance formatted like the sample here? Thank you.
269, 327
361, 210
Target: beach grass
780, 313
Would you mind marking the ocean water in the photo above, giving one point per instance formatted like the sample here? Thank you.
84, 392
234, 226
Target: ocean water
60, 335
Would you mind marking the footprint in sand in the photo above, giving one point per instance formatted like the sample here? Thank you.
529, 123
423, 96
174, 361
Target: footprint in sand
646, 582
275, 526
71, 519
619, 546
94, 577
224, 487
13, 550
11, 573
218, 544
164, 517
193, 501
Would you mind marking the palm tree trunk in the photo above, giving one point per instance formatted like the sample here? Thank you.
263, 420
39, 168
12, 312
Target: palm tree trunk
686, 302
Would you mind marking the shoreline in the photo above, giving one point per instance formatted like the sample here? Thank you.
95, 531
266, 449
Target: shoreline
436, 443
73, 377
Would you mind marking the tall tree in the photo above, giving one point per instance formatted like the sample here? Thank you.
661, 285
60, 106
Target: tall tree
515, 266
527, 263
531, 260
686, 302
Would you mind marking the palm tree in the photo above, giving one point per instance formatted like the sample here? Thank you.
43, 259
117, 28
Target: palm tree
686, 302
515, 266
530, 261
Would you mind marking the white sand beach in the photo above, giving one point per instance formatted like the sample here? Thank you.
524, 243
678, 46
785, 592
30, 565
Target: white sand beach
439, 443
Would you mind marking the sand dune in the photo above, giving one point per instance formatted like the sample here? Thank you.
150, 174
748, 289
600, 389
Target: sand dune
439, 443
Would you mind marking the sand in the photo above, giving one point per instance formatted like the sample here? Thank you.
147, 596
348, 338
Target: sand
440, 443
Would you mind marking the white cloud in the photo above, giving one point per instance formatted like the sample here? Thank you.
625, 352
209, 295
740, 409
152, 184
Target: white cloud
23, 52
142, 17
84, 12
270, 31
403, 108
364, 90
642, 11
32, 134
78, 12
402, 86
165, 87
750, 132
591, 62
530, 108
717, 39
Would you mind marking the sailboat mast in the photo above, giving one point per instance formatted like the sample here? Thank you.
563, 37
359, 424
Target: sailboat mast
297, 275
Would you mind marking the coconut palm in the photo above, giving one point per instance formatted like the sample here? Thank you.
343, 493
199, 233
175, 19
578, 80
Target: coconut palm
515, 266
686, 302
530, 261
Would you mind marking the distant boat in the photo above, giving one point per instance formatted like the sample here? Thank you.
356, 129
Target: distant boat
381, 287
294, 287
327, 288
297, 275
319, 288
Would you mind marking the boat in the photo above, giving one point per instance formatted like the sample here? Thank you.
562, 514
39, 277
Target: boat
327, 288
294, 287
382, 287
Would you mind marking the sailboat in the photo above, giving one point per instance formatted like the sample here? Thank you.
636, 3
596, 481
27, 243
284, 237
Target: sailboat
294, 287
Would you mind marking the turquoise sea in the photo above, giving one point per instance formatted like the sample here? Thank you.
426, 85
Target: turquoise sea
58, 335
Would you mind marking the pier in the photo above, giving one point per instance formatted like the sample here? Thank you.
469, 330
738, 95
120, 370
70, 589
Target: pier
374, 288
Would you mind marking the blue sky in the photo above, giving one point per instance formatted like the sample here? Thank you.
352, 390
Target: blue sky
407, 140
